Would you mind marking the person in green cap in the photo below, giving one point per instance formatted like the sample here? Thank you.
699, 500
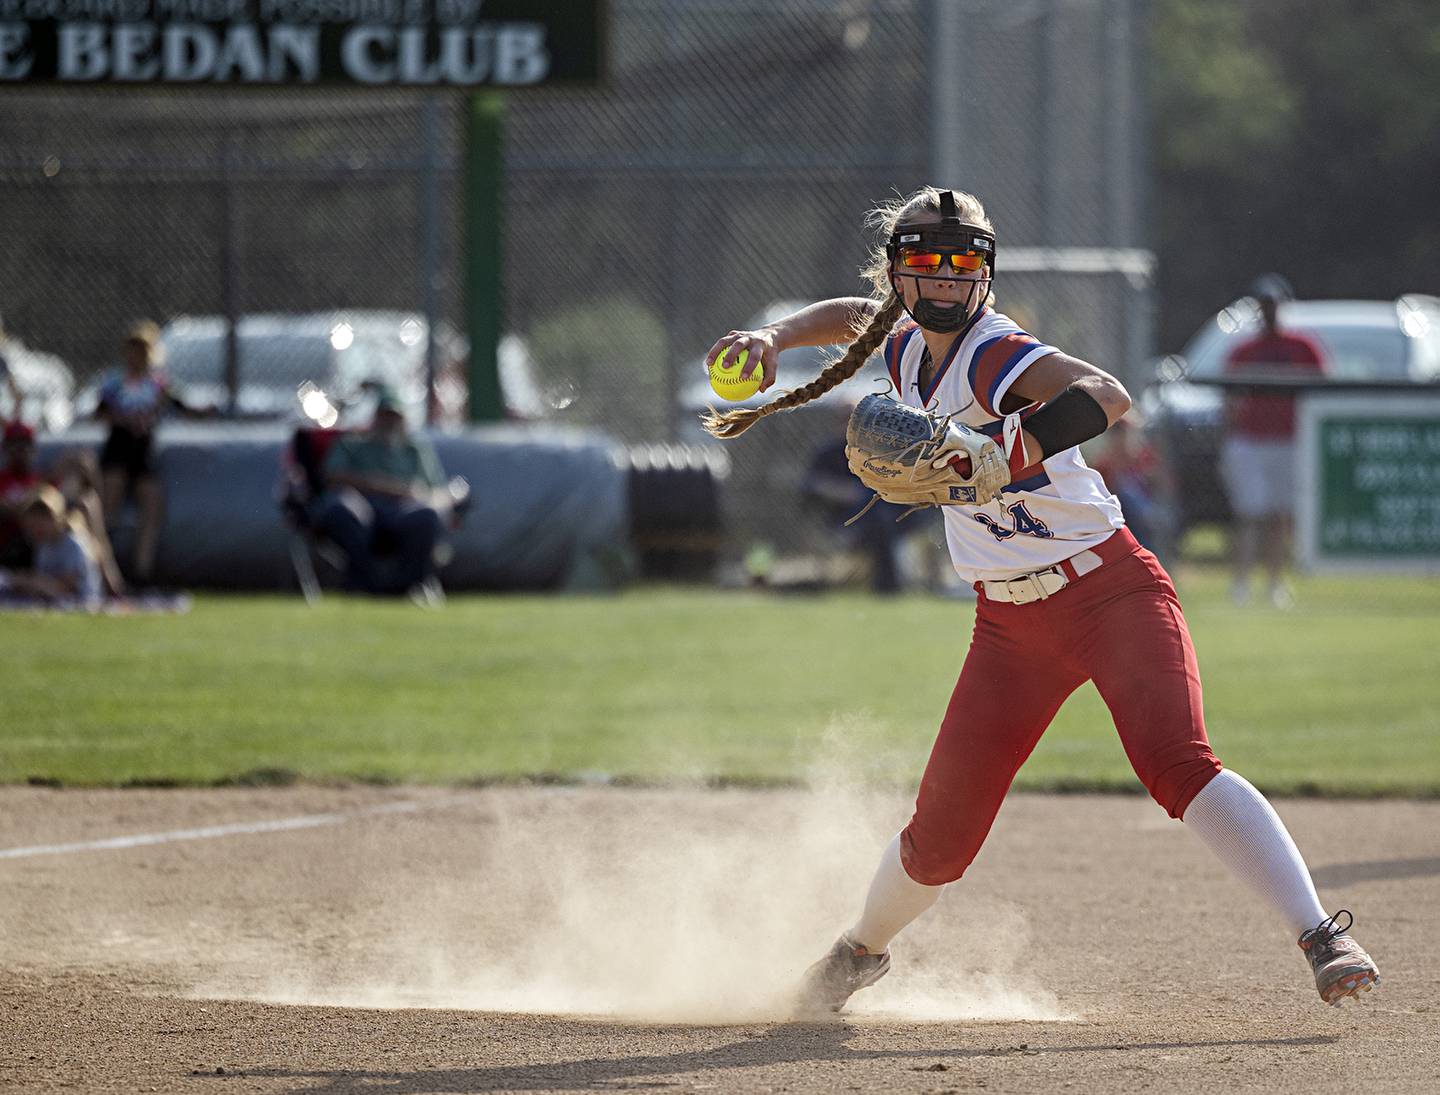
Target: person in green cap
385, 481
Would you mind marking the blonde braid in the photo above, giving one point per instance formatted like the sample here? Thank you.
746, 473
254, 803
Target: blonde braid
728, 424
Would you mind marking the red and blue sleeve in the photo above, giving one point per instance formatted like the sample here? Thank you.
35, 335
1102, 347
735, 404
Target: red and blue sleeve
997, 362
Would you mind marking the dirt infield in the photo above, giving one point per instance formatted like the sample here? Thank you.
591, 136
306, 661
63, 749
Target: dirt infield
553, 939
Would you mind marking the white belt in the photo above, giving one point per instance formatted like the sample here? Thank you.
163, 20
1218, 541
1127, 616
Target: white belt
1040, 584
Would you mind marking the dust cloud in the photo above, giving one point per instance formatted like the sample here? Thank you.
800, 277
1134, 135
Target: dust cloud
693, 906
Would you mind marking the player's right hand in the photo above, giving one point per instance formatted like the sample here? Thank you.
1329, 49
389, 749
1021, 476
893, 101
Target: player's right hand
764, 353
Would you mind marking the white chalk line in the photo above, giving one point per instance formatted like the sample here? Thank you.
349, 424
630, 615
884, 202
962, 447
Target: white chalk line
242, 828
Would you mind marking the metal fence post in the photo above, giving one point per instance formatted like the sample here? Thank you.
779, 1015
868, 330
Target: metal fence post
484, 251
946, 119
230, 268
430, 247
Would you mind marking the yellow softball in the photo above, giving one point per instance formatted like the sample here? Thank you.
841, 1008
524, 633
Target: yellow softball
725, 378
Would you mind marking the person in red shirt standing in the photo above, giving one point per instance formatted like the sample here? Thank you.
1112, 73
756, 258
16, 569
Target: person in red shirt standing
1257, 460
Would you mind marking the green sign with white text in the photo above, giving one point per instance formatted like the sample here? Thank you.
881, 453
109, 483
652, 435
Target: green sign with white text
1379, 486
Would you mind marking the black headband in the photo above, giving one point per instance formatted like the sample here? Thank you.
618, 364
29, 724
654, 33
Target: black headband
950, 234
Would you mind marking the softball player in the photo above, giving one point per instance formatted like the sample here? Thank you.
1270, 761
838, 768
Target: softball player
1065, 594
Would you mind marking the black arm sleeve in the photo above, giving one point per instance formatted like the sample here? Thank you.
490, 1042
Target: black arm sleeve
1071, 417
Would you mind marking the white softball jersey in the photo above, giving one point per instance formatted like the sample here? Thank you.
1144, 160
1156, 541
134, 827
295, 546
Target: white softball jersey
1053, 509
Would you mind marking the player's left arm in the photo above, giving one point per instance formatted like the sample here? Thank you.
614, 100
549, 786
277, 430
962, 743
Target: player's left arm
1077, 402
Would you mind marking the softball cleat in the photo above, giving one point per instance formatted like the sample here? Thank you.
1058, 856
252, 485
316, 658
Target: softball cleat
1341, 966
844, 971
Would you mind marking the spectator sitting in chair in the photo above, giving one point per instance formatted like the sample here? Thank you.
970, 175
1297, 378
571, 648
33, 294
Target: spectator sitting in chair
840, 496
384, 481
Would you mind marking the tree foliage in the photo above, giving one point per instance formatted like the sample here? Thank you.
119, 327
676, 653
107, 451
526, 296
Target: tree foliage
607, 359
1298, 136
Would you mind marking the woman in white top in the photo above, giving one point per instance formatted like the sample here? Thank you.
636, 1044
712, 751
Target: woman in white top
1065, 593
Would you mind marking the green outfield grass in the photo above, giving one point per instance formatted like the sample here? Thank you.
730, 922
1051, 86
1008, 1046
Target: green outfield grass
1341, 695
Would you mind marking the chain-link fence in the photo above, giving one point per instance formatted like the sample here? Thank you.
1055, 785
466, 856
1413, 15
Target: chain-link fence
191, 204
723, 167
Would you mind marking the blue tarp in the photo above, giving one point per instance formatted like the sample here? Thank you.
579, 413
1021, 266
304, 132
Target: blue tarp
548, 506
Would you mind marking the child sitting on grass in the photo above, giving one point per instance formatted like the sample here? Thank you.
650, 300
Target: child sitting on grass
63, 571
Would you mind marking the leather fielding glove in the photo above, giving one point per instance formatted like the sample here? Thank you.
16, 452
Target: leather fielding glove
913, 458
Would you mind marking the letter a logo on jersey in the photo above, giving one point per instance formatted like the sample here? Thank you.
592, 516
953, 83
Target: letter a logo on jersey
1025, 524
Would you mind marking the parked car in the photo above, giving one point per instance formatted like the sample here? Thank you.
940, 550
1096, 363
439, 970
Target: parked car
47, 387
1377, 340
315, 364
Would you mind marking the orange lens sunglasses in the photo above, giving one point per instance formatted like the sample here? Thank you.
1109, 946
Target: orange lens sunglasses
929, 262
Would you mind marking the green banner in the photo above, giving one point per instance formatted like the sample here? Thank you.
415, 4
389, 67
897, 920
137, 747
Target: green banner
1379, 486
360, 43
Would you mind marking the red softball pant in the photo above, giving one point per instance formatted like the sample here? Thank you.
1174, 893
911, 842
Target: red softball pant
1119, 626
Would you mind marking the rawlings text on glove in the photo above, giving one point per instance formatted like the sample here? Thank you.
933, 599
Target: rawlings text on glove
916, 459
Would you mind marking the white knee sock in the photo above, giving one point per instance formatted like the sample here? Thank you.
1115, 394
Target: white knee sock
894, 900
1240, 827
